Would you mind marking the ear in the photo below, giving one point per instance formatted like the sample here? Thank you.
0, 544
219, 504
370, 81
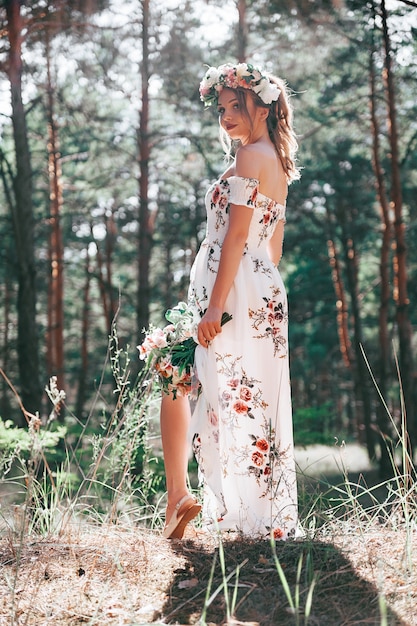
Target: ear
263, 114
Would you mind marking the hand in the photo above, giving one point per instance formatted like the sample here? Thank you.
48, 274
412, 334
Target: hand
210, 326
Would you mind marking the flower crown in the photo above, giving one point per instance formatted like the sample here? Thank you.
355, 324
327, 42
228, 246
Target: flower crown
232, 76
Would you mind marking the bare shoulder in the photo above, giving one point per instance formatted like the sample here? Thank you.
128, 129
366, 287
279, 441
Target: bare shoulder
248, 161
260, 161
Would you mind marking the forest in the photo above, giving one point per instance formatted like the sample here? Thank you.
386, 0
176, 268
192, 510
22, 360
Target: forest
106, 153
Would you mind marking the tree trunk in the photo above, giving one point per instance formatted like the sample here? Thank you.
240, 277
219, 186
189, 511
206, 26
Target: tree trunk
341, 306
352, 356
383, 422
23, 223
242, 31
361, 373
55, 328
400, 261
84, 340
109, 249
145, 237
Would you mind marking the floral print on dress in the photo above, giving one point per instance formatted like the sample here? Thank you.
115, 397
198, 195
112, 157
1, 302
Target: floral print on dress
219, 202
242, 422
270, 319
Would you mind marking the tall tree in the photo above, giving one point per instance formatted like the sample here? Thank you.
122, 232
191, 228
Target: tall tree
383, 424
145, 224
23, 220
55, 324
400, 256
242, 32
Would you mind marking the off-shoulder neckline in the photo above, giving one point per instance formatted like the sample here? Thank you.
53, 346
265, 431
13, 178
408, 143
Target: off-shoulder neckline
223, 178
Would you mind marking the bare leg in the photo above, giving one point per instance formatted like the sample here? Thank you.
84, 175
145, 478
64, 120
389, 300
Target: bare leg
175, 420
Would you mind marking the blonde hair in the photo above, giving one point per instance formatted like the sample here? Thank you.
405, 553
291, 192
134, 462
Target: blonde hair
279, 124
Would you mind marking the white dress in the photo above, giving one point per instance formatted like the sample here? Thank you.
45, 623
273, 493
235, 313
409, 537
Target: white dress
242, 423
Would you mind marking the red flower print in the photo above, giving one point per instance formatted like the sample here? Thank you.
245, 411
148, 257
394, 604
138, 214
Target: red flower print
267, 217
258, 458
223, 203
233, 383
240, 407
245, 394
262, 444
226, 396
267, 470
278, 533
215, 195
254, 195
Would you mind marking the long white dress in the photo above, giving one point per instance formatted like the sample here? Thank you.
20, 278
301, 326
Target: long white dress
242, 423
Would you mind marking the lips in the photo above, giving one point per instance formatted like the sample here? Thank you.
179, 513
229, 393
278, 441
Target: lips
230, 127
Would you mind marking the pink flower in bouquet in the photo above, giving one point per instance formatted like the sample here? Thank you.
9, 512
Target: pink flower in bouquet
170, 351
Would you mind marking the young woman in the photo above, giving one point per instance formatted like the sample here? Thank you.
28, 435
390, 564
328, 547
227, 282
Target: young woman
242, 424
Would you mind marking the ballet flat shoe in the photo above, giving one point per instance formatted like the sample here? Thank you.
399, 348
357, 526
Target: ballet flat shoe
185, 510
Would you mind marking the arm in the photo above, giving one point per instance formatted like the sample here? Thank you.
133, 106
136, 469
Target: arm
230, 257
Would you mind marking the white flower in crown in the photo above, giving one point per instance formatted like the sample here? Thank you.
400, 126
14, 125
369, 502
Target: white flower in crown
243, 75
212, 76
267, 91
242, 71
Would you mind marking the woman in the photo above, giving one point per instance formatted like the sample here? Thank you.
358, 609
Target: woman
242, 423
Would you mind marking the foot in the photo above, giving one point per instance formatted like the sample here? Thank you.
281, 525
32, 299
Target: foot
185, 510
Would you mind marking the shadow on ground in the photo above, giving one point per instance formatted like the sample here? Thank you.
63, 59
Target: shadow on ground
339, 596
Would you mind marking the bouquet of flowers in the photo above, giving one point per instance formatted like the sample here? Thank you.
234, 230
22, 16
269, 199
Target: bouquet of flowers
170, 350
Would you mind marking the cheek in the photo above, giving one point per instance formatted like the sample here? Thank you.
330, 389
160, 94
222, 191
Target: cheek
222, 123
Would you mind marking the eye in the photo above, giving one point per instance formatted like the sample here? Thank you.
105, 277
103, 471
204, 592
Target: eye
220, 111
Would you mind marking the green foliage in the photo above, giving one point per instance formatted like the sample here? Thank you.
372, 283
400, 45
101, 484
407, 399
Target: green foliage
25, 439
95, 75
312, 425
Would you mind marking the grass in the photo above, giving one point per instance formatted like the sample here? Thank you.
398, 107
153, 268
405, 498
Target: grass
80, 543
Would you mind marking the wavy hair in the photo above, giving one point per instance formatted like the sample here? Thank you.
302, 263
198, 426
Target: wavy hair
279, 123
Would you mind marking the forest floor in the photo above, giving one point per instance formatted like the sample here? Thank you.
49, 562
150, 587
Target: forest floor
358, 568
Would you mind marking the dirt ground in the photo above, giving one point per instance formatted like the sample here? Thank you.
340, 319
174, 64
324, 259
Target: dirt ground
356, 570
110, 575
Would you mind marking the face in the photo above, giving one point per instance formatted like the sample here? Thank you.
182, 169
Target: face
231, 117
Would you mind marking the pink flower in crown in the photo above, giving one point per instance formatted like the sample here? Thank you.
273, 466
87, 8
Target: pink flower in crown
231, 79
242, 83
